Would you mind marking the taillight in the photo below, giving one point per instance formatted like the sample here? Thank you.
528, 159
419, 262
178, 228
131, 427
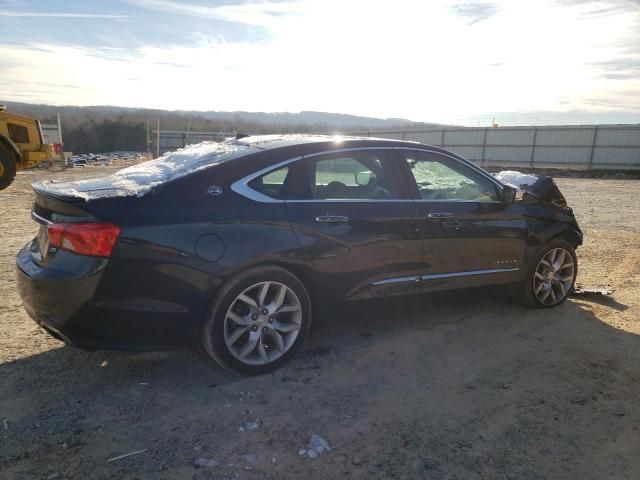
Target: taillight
94, 239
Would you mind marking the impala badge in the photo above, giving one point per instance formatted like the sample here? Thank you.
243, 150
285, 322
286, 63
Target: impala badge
506, 261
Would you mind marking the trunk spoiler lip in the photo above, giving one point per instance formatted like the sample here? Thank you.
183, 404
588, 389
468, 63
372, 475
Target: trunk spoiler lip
40, 219
41, 188
48, 203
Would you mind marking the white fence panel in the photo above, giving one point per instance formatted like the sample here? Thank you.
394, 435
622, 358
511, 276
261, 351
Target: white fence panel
470, 153
565, 137
617, 136
600, 147
512, 136
430, 138
463, 137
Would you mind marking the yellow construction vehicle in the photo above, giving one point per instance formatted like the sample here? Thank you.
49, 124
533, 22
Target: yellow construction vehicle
21, 145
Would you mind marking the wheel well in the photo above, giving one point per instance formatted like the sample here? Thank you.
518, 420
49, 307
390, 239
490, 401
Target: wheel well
303, 274
571, 237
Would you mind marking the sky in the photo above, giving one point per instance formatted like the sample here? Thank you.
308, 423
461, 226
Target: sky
446, 61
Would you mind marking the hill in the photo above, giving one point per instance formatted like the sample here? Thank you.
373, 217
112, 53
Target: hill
105, 128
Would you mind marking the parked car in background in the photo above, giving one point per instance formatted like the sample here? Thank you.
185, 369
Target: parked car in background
81, 162
106, 159
235, 245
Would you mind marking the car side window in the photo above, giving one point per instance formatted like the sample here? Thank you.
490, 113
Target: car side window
271, 184
357, 175
439, 178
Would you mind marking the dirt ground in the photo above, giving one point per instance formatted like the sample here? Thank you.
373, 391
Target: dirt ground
456, 386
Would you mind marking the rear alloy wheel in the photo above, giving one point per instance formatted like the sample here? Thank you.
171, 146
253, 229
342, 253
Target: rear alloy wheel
262, 323
259, 320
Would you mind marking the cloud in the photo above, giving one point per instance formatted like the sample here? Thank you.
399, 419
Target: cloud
11, 4
104, 16
258, 14
622, 69
601, 8
623, 99
475, 12
413, 59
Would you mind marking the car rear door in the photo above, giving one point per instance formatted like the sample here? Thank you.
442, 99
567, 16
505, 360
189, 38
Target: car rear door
356, 222
471, 237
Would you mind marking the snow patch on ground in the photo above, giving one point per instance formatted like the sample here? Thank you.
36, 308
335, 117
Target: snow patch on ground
315, 447
517, 179
139, 179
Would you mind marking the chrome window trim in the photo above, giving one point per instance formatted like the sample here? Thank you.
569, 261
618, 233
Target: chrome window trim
241, 186
439, 276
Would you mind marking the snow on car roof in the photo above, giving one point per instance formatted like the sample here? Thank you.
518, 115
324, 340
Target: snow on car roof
141, 178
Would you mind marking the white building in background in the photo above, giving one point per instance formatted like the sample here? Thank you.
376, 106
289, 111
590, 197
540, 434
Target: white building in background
50, 133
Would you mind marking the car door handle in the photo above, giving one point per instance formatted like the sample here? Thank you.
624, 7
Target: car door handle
332, 219
437, 215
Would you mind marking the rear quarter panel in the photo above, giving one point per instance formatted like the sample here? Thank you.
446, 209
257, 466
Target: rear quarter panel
182, 243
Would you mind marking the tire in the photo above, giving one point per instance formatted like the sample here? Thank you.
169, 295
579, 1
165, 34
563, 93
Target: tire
531, 293
242, 316
7, 167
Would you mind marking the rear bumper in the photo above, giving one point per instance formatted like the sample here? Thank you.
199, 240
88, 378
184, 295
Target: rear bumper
53, 297
67, 304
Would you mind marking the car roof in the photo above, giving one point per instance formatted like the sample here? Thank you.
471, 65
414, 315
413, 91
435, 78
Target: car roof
311, 144
270, 142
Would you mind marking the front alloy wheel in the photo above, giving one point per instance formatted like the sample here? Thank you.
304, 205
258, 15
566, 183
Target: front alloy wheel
554, 276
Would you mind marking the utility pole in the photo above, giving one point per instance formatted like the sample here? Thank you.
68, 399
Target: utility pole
64, 166
188, 130
148, 141
158, 139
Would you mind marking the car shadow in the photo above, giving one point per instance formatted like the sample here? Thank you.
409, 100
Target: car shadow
66, 396
335, 327
604, 300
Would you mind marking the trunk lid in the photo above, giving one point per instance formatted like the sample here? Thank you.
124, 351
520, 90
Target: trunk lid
117, 197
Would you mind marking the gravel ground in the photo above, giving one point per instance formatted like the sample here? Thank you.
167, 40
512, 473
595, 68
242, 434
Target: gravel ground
441, 387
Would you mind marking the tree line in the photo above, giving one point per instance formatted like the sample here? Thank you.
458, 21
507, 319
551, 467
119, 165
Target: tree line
95, 129
125, 134
105, 136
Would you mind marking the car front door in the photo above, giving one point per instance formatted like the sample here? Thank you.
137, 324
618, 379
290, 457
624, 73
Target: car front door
356, 222
471, 237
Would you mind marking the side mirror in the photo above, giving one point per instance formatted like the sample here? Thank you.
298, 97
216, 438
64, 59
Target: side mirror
362, 178
508, 194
